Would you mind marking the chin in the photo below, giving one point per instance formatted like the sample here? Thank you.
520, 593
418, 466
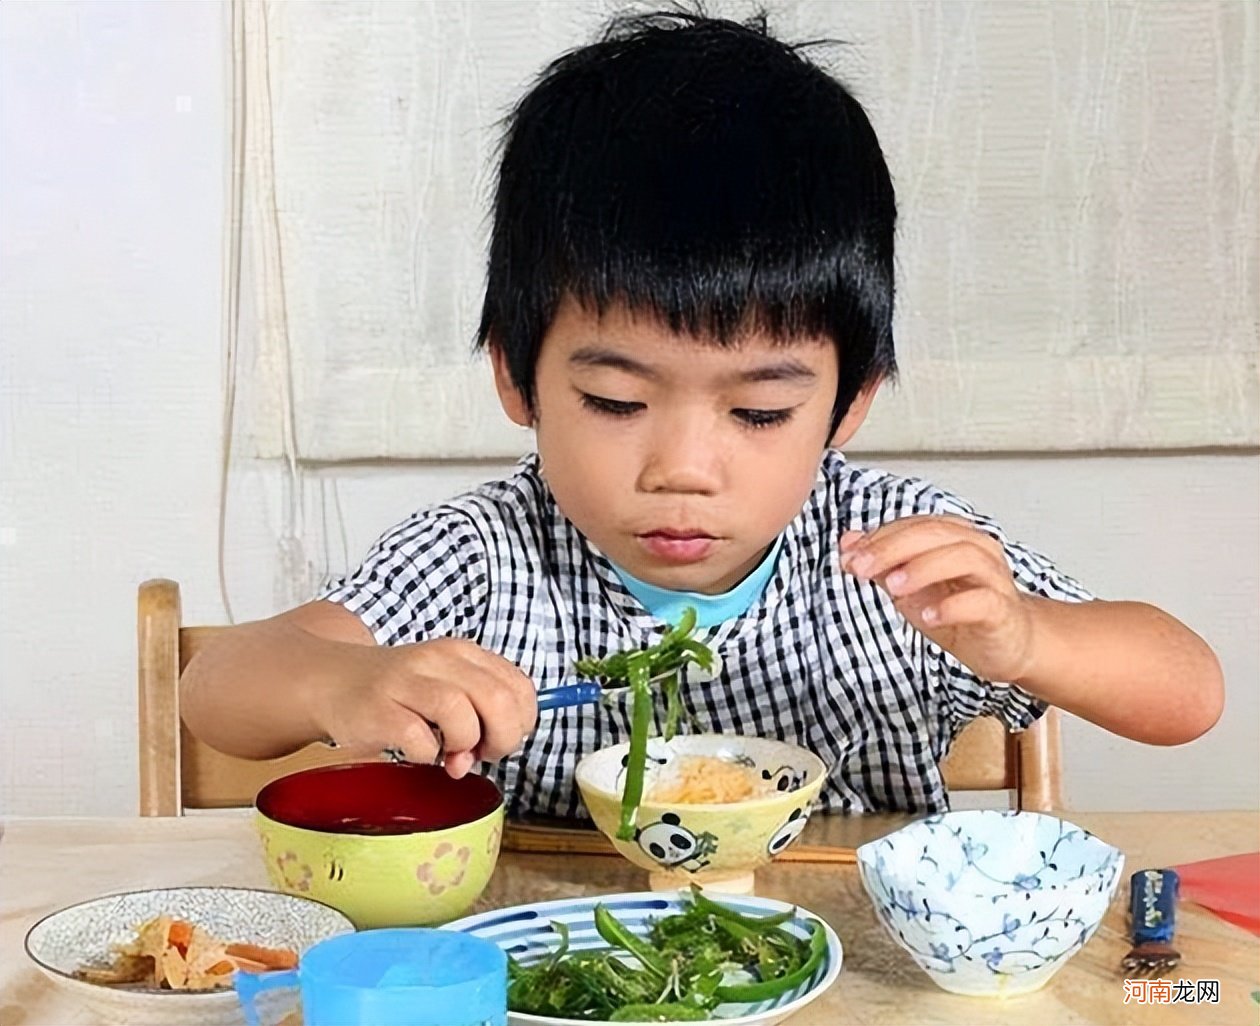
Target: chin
689, 578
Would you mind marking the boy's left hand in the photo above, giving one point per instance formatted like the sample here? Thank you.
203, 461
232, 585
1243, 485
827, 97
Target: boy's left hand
951, 581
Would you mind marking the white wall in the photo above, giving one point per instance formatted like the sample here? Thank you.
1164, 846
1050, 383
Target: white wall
111, 202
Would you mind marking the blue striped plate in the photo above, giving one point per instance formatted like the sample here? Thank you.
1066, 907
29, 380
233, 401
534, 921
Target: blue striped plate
525, 933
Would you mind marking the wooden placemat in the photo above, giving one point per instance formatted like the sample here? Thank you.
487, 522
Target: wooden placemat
547, 838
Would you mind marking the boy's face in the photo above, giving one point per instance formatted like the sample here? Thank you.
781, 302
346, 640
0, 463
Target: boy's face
679, 459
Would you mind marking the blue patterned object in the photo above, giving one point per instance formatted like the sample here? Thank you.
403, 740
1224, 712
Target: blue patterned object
1153, 905
525, 933
989, 901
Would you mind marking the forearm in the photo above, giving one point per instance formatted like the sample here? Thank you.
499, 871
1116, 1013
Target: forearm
1125, 666
250, 692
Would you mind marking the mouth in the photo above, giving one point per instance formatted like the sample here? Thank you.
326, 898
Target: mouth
678, 545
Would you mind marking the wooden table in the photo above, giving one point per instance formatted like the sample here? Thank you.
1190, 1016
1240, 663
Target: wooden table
48, 863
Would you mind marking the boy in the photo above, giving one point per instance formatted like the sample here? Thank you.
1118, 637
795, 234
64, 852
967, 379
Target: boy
690, 298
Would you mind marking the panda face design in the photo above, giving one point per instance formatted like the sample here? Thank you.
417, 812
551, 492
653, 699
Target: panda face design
785, 778
674, 846
787, 833
669, 842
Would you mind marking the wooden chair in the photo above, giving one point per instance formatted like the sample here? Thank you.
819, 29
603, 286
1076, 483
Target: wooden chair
178, 772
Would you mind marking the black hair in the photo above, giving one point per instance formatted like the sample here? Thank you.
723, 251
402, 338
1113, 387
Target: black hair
701, 171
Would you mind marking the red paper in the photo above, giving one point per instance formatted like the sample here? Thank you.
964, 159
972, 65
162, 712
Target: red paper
1230, 887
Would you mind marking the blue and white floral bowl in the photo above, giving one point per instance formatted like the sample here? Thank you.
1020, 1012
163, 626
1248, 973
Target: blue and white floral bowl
990, 902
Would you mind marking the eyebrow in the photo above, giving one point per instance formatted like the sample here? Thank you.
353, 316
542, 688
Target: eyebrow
594, 356
781, 370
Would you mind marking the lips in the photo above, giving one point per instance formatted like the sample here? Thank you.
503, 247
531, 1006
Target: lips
678, 545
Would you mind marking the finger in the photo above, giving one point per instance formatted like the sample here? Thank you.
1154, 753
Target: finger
380, 724
514, 681
974, 607
449, 709
465, 655
878, 555
851, 539
854, 541
458, 764
963, 563
411, 735
911, 606
913, 522
363, 747
497, 710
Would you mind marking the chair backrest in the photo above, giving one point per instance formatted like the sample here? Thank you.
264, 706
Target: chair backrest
178, 772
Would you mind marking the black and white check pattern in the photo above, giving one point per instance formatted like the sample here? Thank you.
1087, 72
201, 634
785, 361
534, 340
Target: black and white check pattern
823, 660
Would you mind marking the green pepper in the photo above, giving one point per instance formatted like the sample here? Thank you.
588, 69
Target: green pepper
755, 923
686, 624
702, 653
677, 969
673, 707
610, 928
639, 669
764, 990
636, 762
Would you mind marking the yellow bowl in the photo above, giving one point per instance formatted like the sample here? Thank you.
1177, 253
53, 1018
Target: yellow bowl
681, 843
388, 845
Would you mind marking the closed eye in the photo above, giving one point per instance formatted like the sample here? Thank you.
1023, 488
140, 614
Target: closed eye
762, 418
610, 407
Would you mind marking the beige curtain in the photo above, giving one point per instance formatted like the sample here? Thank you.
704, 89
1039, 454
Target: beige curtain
1077, 186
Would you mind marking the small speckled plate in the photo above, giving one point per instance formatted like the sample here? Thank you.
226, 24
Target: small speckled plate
82, 936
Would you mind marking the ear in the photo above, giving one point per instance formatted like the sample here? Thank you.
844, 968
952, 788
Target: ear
856, 414
510, 397
671, 818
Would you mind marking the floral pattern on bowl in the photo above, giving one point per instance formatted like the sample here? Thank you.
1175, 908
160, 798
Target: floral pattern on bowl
990, 902
387, 844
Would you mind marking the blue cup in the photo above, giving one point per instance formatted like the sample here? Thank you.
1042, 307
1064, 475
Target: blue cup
402, 977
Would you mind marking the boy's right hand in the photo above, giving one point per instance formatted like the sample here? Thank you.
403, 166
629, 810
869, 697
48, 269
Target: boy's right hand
448, 697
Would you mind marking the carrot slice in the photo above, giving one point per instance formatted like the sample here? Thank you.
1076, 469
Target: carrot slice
272, 958
246, 966
180, 934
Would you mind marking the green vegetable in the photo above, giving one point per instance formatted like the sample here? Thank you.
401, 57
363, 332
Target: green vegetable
638, 669
608, 927
640, 722
672, 1012
675, 973
752, 922
773, 987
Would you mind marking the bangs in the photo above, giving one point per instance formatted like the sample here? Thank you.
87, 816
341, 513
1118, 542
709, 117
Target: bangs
706, 176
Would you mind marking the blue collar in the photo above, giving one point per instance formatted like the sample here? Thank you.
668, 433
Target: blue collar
667, 606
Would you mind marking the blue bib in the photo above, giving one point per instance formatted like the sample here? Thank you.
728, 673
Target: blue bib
667, 606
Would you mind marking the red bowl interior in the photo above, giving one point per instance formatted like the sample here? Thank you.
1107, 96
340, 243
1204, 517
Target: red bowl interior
377, 798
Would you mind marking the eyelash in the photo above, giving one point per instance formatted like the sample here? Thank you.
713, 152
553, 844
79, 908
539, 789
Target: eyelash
757, 419
751, 419
612, 407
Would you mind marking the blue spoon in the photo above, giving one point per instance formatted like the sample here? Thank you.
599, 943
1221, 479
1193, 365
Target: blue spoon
585, 693
588, 692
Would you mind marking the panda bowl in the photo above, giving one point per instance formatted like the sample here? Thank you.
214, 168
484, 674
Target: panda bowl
715, 845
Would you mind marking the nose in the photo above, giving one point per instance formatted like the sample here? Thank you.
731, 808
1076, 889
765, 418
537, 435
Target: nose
683, 457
